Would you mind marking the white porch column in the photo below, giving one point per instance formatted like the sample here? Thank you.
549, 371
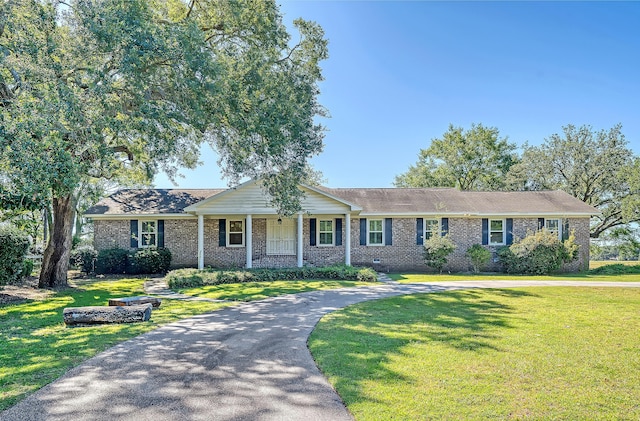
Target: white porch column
347, 240
300, 242
200, 241
248, 242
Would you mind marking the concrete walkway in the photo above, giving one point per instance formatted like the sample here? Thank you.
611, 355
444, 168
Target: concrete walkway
247, 362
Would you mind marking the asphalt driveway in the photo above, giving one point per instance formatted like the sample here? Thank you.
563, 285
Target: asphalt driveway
248, 362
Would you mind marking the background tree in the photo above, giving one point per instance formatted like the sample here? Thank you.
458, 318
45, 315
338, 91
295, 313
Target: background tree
594, 166
475, 159
105, 88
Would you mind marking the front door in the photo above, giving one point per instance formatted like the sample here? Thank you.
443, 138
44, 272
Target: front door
281, 237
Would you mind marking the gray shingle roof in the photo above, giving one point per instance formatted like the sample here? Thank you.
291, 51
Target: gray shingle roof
450, 200
150, 201
372, 201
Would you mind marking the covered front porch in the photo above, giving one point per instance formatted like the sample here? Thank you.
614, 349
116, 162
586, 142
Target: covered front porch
239, 223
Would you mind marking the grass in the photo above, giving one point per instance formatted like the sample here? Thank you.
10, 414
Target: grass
406, 278
36, 347
259, 290
535, 353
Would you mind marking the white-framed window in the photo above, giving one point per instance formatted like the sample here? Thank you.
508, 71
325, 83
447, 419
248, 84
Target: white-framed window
148, 233
325, 232
431, 228
496, 232
235, 233
376, 232
553, 226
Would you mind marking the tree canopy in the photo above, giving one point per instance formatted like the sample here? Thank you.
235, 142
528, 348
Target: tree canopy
126, 88
473, 159
596, 167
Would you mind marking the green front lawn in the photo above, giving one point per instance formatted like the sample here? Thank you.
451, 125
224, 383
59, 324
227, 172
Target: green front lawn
534, 353
249, 291
36, 347
407, 278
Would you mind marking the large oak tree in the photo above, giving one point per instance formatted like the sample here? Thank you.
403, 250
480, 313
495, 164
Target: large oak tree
595, 166
473, 159
126, 88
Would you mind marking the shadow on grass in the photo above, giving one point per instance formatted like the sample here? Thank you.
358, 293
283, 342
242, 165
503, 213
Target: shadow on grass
360, 342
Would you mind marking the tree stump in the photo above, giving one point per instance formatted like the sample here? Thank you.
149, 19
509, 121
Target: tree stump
100, 315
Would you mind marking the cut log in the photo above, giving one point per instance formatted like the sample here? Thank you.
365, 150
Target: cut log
101, 315
132, 301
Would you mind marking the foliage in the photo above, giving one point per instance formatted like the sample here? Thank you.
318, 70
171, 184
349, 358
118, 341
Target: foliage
27, 268
475, 159
616, 269
84, 258
530, 353
189, 278
586, 276
33, 330
145, 260
95, 90
621, 243
149, 260
13, 250
436, 250
250, 291
113, 260
596, 167
480, 257
538, 253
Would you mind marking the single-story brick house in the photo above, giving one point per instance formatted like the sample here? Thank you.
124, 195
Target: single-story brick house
380, 227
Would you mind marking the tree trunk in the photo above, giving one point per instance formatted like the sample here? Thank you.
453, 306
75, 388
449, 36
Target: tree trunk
55, 261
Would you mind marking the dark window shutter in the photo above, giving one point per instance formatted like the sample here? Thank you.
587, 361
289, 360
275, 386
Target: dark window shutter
363, 231
222, 232
445, 226
134, 233
339, 232
312, 231
565, 229
419, 231
388, 231
540, 223
509, 231
160, 232
485, 231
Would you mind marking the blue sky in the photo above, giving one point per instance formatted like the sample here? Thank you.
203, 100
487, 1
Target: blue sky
400, 72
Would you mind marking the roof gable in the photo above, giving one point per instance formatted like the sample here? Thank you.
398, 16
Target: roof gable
250, 198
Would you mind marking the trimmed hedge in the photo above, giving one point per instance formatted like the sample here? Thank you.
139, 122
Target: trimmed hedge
14, 245
117, 261
84, 258
150, 260
189, 278
113, 260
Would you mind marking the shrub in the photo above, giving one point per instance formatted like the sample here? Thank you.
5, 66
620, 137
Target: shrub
479, 256
436, 251
149, 260
113, 260
538, 253
616, 269
84, 258
14, 245
27, 268
189, 278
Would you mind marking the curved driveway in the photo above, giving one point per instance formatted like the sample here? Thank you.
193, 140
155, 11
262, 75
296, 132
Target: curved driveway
247, 362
